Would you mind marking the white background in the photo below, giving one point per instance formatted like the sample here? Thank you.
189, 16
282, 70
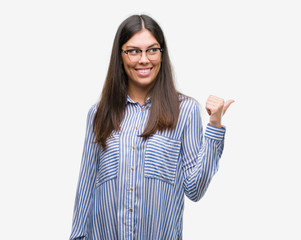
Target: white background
53, 61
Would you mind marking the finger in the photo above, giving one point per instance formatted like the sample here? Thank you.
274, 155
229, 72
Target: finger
208, 108
227, 104
208, 111
214, 99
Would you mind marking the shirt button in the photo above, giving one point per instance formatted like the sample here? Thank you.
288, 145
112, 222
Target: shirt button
141, 109
136, 128
133, 148
132, 189
131, 210
132, 169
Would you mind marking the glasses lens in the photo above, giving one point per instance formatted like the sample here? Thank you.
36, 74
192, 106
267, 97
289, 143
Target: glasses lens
134, 58
153, 53
134, 55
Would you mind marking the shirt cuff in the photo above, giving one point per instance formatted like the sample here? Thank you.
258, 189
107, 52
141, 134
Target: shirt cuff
215, 133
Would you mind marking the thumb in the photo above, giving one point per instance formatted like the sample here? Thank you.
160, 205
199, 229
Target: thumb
227, 104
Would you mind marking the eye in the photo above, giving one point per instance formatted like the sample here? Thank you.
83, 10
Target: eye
153, 50
133, 51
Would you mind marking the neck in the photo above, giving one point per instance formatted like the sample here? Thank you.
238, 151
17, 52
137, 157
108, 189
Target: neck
138, 95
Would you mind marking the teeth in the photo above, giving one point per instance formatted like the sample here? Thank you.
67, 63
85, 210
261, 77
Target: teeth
143, 70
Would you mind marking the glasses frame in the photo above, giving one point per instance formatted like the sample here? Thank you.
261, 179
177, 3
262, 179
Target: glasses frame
140, 50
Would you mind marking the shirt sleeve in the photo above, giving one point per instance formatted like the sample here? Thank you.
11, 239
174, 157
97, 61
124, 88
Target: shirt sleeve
200, 154
86, 182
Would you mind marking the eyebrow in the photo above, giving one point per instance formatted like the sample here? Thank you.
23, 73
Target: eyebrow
129, 46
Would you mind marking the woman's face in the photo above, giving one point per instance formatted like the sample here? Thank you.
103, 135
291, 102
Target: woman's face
141, 72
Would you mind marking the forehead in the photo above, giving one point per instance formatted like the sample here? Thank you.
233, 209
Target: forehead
142, 39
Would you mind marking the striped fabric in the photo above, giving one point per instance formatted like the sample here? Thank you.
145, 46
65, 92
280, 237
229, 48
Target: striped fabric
135, 189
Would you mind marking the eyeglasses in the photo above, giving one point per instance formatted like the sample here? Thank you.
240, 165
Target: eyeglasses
136, 54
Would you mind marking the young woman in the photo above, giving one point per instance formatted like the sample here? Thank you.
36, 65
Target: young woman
144, 146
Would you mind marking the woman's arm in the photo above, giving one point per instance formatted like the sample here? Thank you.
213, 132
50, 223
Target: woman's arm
200, 155
86, 182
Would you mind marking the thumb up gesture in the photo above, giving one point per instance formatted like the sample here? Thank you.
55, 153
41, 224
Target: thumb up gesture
216, 108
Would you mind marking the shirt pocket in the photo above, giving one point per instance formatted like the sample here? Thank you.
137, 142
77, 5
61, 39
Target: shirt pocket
108, 160
161, 158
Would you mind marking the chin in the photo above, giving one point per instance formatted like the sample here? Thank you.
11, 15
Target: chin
145, 82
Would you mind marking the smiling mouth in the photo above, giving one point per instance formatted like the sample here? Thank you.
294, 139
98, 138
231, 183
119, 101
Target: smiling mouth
144, 70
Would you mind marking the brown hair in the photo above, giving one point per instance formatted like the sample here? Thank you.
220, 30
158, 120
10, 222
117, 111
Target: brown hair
164, 111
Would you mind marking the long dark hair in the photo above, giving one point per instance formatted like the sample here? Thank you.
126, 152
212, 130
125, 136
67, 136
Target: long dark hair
164, 110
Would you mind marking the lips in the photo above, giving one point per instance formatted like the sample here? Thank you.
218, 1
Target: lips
143, 72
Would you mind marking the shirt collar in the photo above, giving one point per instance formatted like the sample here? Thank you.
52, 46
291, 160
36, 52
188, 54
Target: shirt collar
129, 100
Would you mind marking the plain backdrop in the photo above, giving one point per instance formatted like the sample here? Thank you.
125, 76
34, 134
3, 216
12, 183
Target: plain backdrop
53, 61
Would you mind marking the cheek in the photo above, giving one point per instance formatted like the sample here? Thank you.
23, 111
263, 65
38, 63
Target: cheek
126, 64
157, 68
128, 68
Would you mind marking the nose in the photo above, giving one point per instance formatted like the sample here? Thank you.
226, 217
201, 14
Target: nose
144, 59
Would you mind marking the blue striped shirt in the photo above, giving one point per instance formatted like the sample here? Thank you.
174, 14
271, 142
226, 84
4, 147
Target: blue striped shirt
135, 188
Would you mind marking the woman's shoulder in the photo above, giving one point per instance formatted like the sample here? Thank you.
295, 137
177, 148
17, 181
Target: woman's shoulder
92, 110
187, 102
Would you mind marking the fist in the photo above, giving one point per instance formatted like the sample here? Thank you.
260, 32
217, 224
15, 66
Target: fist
216, 108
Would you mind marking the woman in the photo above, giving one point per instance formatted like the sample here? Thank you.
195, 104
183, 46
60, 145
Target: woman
144, 146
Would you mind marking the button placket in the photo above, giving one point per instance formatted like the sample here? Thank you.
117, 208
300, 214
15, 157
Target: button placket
132, 183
